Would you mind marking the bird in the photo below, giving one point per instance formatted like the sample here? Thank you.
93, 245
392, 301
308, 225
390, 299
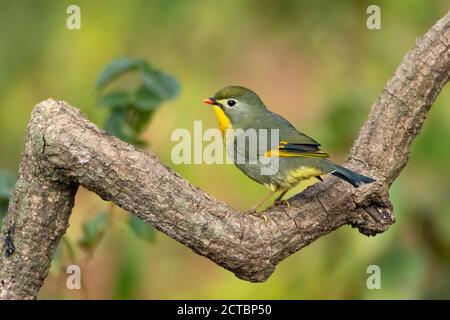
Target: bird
298, 156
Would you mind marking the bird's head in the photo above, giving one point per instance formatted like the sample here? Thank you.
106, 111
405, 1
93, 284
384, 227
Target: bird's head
236, 103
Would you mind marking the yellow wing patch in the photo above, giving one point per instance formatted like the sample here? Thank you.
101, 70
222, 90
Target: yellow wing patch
279, 152
286, 153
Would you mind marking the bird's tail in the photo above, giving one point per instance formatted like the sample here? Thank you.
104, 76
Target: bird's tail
352, 177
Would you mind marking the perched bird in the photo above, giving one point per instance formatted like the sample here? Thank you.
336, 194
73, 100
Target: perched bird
299, 156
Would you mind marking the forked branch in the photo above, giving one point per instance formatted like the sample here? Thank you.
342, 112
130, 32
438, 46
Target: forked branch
64, 150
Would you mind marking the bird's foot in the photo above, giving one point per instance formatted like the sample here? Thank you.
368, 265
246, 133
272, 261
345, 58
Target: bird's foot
281, 202
255, 213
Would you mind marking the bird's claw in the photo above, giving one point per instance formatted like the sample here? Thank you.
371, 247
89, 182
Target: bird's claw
251, 211
280, 202
255, 213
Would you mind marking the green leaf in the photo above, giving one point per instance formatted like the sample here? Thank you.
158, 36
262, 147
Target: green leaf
145, 99
115, 69
116, 122
162, 85
140, 120
119, 99
117, 126
141, 229
132, 112
93, 230
7, 182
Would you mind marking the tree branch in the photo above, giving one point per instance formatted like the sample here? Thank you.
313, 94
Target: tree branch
64, 150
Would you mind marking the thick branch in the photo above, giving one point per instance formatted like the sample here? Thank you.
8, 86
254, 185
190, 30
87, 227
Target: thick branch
64, 150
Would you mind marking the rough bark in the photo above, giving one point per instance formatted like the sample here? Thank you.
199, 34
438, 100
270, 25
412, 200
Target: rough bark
64, 150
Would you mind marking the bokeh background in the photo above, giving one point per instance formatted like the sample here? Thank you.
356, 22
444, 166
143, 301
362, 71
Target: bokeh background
314, 62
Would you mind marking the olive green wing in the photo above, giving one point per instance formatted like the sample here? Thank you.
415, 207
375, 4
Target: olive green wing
293, 143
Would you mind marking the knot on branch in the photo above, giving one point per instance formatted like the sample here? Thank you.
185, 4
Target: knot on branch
374, 212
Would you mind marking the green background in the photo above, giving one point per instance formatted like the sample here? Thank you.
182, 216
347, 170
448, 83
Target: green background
314, 62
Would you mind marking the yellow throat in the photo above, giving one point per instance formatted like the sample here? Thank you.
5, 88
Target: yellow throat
224, 121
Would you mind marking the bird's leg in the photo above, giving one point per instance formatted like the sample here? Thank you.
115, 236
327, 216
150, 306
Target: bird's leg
279, 200
259, 204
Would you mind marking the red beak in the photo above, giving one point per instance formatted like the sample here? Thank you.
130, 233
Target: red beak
209, 101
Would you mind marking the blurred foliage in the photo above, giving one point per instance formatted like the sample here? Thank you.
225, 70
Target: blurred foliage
314, 62
93, 230
142, 229
127, 276
131, 110
7, 181
344, 119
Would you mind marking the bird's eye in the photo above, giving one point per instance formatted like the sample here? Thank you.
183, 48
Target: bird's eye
231, 102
